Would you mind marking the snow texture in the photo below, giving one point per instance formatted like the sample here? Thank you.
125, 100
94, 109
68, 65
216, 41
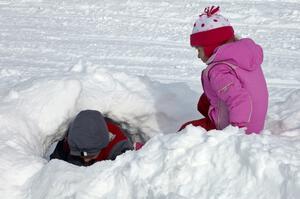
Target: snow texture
132, 60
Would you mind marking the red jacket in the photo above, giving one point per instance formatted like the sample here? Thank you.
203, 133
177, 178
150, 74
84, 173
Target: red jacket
117, 137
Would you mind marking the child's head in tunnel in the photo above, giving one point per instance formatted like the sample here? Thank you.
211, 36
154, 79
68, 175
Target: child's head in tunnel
91, 137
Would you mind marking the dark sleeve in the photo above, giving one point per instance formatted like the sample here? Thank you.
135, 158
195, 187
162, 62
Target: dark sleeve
120, 148
59, 152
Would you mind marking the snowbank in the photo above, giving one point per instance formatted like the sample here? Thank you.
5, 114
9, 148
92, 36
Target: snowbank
284, 116
36, 112
40, 94
192, 164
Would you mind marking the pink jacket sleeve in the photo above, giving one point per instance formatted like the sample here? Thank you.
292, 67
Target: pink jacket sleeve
228, 88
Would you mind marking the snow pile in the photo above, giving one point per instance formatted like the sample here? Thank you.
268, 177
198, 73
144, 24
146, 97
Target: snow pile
40, 94
284, 116
36, 112
191, 164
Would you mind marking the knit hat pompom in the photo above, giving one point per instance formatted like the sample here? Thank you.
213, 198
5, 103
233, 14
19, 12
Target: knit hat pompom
211, 30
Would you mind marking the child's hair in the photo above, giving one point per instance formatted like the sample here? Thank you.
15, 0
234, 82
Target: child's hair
211, 30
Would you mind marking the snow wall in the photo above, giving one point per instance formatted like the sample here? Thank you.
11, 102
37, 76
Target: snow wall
191, 164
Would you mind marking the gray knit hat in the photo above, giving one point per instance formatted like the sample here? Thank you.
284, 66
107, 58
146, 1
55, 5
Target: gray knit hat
88, 134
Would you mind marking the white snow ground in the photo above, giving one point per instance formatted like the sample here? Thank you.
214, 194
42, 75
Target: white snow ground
132, 59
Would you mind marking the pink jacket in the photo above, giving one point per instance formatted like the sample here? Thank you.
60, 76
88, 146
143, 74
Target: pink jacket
235, 86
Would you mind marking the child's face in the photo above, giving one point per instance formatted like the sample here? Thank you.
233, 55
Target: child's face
201, 54
90, 158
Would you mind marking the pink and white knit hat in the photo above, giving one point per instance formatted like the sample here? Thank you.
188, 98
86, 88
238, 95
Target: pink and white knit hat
211, 30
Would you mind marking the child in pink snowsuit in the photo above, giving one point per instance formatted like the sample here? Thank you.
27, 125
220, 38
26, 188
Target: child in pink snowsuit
235, 90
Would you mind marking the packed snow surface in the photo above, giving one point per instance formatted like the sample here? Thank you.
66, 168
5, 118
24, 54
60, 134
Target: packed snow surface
131, 59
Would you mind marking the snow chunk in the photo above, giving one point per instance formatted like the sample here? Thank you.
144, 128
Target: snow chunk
285, 116
191, 164
37, 112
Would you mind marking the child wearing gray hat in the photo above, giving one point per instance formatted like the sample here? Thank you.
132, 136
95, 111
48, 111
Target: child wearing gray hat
91, 138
